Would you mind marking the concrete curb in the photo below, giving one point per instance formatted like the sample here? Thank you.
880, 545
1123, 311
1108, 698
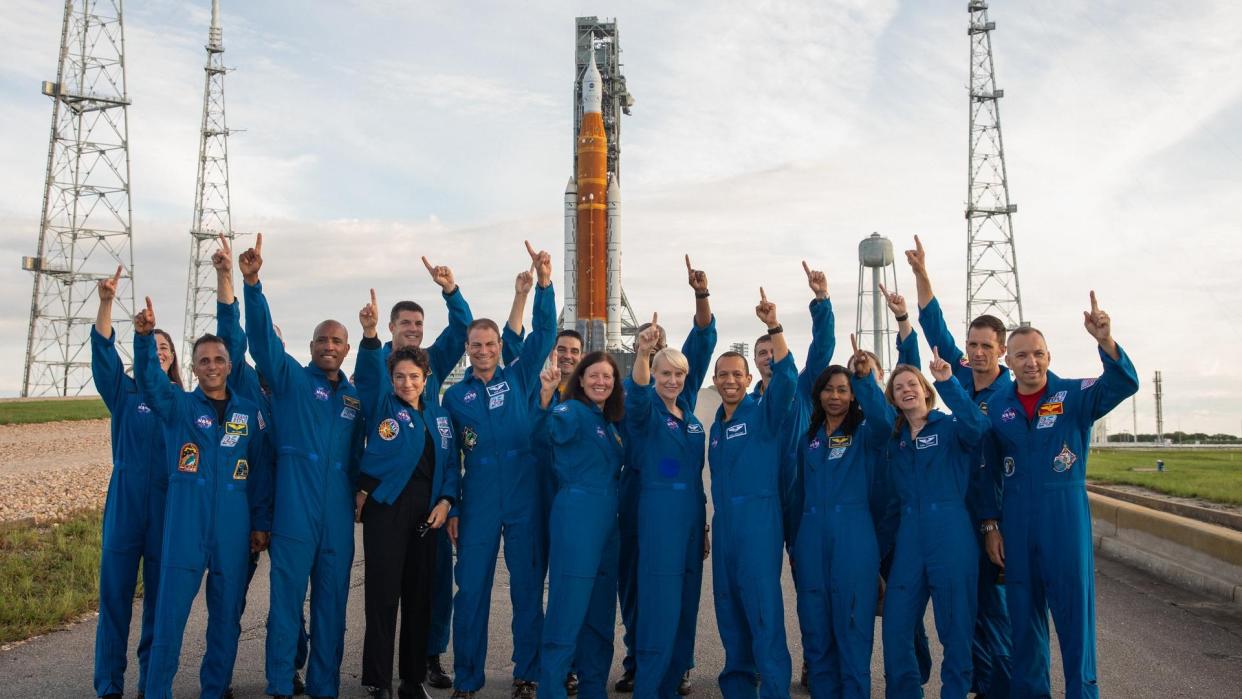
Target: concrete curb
1224, 518
1203, 557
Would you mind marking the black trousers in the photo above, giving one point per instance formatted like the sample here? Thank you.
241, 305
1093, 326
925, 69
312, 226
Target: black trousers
400, 572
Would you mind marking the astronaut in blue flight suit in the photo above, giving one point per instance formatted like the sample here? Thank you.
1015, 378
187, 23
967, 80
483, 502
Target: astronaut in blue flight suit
930, 469
587, 453
1041, 429
218, 505
493, 419
980, 373
667, 452
246, 382
318, 447
750, 483
133, 527
405, 325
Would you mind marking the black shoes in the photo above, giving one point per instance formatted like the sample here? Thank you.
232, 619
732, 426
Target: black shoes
625, 684
525, 689
571, 684
299, 683
412, 690
436, 676
685, 686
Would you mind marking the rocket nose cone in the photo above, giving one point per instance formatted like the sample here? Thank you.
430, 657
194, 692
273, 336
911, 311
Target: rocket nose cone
592, 87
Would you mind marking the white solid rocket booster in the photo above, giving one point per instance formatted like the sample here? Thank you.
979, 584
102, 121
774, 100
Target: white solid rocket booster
613, 337
570, 309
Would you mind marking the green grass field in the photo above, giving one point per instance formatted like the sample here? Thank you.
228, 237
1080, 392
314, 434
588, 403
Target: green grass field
51, 410
48, 574
1210, 475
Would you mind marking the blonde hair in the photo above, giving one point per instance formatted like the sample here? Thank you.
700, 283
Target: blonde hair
898, 370
674, 357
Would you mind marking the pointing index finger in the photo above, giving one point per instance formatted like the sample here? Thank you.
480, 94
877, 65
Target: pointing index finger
655, 320
150, 308
689, 267
918, 244
763, 296
374, 303
428, 265
1095, 305
806, 268
936, 354
116, 278
258, 243
531, 251
884, 291
854, 343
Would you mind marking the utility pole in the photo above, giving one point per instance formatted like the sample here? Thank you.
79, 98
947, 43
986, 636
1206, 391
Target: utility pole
1159, 409
84, 231
991, 259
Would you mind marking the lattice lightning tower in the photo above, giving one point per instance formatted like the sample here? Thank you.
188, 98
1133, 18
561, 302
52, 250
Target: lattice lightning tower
991, 259
84, 232
211, 199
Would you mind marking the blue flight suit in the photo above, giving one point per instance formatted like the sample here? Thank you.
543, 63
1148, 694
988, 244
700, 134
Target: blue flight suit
1046, 522
936, 553
750, 484
665, 457
501, 493
837, 553
444, 354
133, 524
318, 446
992, 647
219, 491
245, 381
588, 452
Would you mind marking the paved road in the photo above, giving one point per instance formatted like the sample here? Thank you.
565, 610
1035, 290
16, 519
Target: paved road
1155, 641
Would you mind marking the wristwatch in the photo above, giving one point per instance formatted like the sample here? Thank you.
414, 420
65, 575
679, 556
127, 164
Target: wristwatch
988, 527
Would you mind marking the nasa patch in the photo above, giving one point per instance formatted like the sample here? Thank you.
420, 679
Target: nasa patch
1065, 460
242, 470
188, 461
388, 430
403, 415
204, 422
321, 393
671, 424
470, 396
738, 430
815, 444
1008, 466
927, 442
1009, 415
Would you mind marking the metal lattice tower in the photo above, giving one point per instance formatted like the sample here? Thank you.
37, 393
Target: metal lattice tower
211, 199
84, 232
593, 33
991, 259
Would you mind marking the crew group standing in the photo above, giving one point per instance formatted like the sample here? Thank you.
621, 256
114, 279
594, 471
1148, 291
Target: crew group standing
593, 481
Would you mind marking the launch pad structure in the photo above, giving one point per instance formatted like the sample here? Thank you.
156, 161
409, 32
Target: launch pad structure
592, 197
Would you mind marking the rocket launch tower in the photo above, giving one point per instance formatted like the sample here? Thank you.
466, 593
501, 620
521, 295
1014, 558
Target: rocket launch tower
595, 304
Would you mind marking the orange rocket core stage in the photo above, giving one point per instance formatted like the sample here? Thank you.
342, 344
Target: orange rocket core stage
592, 179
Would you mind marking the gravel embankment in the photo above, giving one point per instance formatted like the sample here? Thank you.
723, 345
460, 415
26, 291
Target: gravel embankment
51, 469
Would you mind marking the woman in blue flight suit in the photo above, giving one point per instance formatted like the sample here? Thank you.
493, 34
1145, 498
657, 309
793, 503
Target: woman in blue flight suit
133, 526
407, 484
667, 450
587, 453
835, 549
930, 465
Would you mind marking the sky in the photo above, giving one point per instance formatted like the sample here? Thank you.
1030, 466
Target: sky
371, 132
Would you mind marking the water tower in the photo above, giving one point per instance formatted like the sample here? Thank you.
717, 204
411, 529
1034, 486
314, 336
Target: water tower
875, 268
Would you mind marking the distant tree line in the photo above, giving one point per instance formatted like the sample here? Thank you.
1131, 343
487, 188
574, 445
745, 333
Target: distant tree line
1178, 438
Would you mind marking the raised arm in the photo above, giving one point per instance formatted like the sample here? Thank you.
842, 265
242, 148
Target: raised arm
268, 351
1119, 380
543, 323
778, 399
450, 344
513, 334
918, 264
823, 331
971, 423
369, 365
106, 369
157, 391
701, 342
879, 416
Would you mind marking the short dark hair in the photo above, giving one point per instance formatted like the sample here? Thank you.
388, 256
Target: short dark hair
487, 323
614, 405
207, 338
991, 322
731, 353
762, 339
174, 370
570, 332
400, 306
418, 355
819, 416
1026, 330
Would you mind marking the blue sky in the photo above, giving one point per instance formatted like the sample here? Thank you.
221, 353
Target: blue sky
763, 134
